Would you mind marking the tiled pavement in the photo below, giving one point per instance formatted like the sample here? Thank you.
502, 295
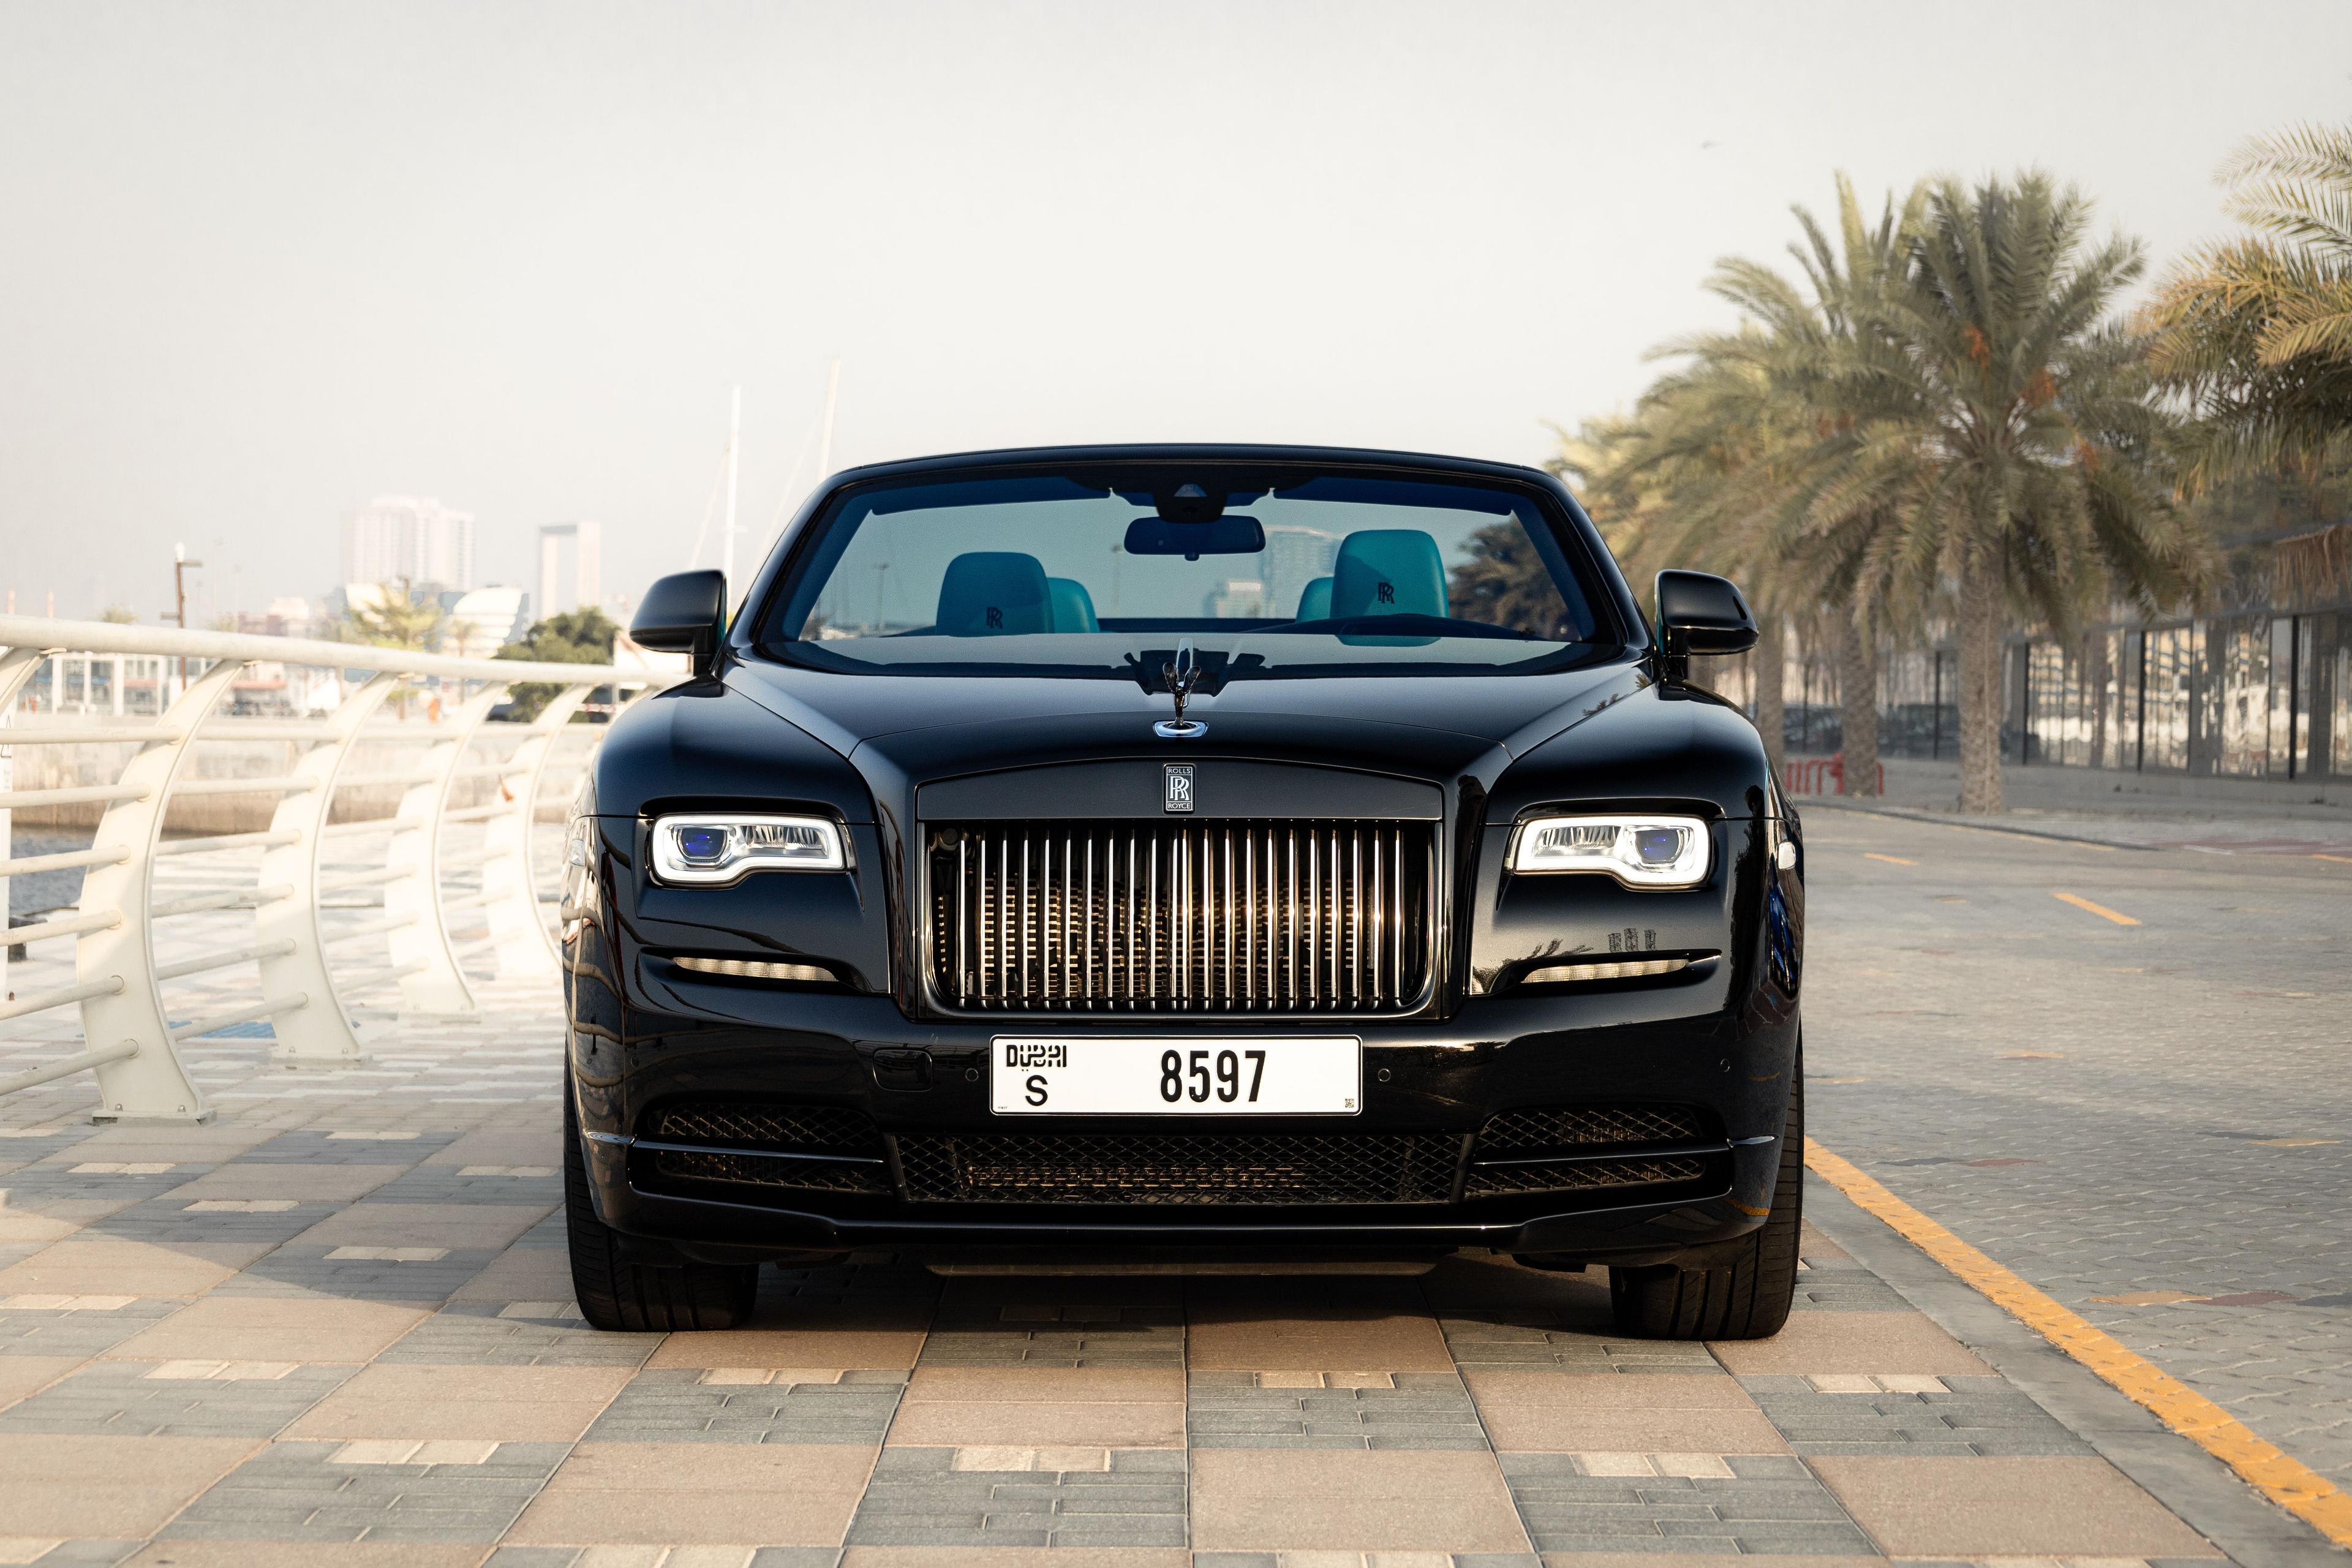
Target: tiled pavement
334, 1326
382, 1364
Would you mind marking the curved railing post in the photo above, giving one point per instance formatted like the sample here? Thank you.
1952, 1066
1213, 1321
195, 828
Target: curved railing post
433, 986
146, 1081
509, 895
17, 666
288, 927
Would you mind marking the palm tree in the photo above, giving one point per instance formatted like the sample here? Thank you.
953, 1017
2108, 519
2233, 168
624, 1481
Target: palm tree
390, 618
1731, 450
1821, 533
1689, 479
1997, 440
2257, 332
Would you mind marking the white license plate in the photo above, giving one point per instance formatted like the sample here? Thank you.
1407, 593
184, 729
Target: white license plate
1285, 1076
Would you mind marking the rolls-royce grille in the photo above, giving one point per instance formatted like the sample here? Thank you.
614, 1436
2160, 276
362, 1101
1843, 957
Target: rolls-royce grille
1239, 917
1178, 1168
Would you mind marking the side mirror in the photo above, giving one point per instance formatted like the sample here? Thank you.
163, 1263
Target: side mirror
684, 612
1702, 614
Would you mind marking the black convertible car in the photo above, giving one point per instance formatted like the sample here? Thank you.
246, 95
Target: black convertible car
1240, 849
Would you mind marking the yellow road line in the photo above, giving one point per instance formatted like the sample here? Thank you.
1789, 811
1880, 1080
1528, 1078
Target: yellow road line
2277, 1475
2339, 859
2101, 910
1890, 859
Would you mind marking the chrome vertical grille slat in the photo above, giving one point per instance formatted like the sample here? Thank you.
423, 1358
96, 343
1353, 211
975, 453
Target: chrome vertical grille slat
1201, 918
1358, 916
1249, 922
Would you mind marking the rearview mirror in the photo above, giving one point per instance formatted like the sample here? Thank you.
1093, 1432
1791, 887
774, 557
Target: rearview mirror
1234, 535
684, 612
1699, 614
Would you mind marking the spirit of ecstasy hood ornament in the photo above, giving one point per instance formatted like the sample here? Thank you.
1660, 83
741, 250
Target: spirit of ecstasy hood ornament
1181, 675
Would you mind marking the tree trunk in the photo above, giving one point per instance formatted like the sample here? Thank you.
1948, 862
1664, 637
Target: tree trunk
1981, 703
1858, 699
1770, 666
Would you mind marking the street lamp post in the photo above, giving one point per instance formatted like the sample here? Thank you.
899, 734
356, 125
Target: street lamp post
180, 568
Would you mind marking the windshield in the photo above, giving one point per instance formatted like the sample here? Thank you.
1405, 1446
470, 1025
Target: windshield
1104, 574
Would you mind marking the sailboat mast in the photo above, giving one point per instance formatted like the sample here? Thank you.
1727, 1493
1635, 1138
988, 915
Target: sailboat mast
832, 396
734, 443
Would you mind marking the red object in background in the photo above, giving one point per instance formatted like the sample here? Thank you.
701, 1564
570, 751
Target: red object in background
1809, 775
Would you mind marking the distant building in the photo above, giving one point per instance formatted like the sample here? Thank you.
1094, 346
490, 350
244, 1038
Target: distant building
409, 539
482, 622
368, 594
583, 585
1294, 557
285, 617
1237, 599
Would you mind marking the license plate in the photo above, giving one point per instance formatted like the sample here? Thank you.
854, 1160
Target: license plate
1284, 1076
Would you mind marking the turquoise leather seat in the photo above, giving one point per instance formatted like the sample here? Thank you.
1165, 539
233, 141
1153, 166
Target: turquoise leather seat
1315, 600
1070, 609
993, 593
1387, 571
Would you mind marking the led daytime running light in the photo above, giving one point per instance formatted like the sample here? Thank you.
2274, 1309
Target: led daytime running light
755, 969
1633, 970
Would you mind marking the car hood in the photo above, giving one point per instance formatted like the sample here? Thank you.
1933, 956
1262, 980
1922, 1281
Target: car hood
1439, 727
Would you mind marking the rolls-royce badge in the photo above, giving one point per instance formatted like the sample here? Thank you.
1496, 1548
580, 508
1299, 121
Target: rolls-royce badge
1178, 795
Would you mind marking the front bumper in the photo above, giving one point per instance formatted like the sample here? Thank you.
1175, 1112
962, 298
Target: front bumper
1436, 1083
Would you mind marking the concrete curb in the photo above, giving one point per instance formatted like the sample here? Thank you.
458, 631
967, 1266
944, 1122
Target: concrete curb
2184, 1477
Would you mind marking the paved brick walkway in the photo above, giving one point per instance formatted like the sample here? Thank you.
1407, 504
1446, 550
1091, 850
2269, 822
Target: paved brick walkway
334, 1326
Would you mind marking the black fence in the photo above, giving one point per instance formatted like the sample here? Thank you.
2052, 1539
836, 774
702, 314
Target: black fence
2247, 695
2238, 696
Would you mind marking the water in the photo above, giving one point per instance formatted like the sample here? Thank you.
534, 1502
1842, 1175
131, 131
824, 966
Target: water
28, 897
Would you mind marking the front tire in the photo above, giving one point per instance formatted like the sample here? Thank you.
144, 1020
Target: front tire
615, 1293
1746, 1299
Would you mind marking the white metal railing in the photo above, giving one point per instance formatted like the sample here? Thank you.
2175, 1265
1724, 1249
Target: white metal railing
307, 971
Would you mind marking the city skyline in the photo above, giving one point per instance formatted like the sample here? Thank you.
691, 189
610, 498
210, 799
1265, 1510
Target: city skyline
409, 539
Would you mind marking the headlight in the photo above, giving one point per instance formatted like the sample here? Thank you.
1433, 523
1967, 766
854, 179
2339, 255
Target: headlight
1639, 851
703, 851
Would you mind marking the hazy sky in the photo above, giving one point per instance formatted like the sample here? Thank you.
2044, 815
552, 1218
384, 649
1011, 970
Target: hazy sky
260, 262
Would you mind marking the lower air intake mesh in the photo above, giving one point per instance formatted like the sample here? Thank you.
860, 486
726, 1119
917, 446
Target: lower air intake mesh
1176, 1168
1572, 1126
805, 1129
1509, 1142
1496, 1181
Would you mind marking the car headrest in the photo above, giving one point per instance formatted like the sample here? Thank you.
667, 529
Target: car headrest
1070, 607
993, 593
1315, 600
1387, 571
